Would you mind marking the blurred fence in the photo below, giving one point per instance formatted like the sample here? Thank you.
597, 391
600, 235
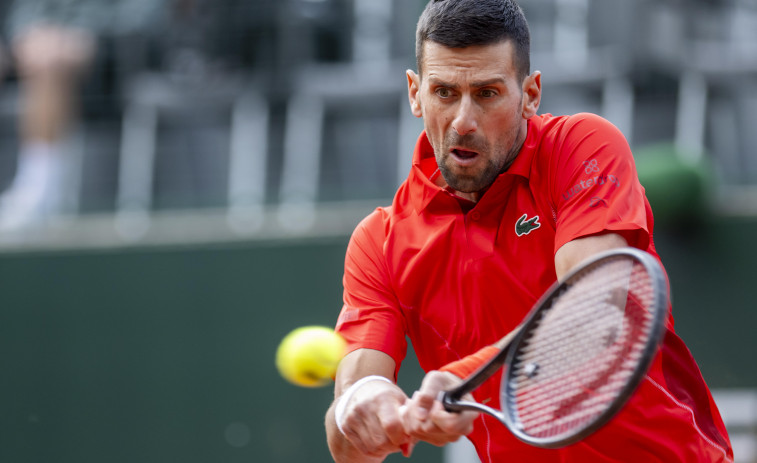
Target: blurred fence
240, 105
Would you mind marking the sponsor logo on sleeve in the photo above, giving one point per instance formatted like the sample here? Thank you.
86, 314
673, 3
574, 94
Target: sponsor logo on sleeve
597, 201
591, 167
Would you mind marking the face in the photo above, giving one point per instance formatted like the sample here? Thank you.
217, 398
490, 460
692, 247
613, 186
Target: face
474, 109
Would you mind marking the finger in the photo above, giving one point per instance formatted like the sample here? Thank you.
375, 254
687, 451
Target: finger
355, 437
355, 431
363, 429
408, 423
405, 417
452, 423
390, 418
424, 430
407, 414
377, 437
423, 401
443, 427
417, 418
432, 386
382, 430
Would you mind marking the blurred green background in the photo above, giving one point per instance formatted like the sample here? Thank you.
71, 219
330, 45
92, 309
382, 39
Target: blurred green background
157, 355
161, 354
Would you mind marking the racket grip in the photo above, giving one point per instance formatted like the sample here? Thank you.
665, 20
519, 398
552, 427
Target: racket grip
445, 397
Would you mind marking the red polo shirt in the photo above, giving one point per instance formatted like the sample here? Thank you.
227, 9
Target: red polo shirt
454, 276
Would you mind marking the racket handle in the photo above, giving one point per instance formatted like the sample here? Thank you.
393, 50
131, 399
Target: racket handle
453, 404
450, 402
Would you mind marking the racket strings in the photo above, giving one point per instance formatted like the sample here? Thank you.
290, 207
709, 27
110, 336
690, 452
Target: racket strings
579, 356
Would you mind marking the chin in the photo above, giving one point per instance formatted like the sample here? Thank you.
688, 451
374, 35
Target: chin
464, 186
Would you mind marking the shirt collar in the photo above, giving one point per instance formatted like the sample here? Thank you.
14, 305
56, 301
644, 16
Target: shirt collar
522, 164
423, 190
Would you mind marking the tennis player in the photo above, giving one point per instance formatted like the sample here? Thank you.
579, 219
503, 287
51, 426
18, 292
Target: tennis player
500, 202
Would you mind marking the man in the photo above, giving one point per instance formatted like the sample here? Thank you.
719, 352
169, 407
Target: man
53, 44
51, 61
500, 202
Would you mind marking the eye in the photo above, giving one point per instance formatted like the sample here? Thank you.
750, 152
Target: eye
488, 93
443, 92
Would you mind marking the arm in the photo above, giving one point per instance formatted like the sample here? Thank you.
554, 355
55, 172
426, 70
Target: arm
573, 252
372, 424
594, 154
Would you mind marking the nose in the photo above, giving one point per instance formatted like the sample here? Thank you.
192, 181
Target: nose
465, 121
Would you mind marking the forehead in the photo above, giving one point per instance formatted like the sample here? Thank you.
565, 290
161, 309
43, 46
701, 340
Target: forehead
475, 62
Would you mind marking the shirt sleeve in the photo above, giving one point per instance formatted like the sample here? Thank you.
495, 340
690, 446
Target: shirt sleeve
596, 187
370, 317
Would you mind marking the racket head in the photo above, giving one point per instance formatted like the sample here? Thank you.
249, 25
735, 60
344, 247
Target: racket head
585, 348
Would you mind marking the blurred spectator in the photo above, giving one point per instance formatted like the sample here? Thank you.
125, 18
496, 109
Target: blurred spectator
50, 61
51, 46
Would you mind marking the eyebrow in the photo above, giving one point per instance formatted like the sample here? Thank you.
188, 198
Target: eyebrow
490, 82
479, 84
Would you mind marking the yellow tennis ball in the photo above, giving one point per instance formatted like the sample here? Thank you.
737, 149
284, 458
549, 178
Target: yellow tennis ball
308, 356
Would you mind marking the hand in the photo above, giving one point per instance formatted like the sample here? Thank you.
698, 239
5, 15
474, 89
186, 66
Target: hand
425, 417
371, 420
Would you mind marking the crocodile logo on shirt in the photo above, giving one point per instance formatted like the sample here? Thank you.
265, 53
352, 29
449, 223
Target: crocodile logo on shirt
524, 225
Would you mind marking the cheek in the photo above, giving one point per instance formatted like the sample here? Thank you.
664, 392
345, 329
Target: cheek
506, 121
435, 120
434, 111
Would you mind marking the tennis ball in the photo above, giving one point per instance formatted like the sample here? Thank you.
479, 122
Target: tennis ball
308, 356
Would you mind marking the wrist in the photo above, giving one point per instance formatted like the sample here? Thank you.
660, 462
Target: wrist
467, 365
341, 403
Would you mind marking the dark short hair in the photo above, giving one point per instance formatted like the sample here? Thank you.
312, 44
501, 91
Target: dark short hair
463, 23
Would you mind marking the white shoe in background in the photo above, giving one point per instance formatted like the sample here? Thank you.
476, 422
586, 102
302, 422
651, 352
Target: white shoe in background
35, 193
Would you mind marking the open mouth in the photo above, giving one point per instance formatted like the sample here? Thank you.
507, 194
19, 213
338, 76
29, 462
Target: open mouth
464, 155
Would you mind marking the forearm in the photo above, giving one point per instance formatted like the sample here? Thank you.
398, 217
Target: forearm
574, 252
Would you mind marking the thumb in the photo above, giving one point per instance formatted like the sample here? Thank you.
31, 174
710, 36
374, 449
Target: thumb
423, 402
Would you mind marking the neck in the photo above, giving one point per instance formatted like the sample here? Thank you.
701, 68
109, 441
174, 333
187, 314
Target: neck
472, 197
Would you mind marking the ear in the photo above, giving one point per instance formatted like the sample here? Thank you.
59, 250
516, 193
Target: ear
531, 94
413, 92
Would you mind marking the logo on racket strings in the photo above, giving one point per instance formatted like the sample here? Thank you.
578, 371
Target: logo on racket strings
524, 225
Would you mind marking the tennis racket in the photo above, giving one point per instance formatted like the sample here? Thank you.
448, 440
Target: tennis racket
581, 352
